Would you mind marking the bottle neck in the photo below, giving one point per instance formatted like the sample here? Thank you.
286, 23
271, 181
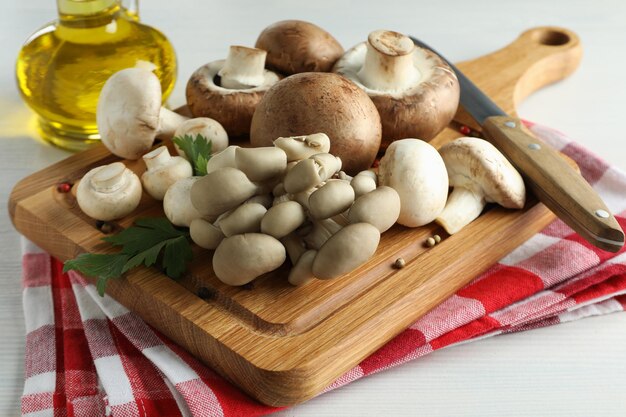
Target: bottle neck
87, 13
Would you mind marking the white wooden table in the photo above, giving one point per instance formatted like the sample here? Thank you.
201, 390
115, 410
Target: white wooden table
576, 369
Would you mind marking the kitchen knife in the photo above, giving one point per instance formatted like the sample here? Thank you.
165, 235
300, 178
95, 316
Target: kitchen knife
557, 185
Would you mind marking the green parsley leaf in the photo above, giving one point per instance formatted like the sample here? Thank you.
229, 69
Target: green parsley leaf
198, 151
141, 244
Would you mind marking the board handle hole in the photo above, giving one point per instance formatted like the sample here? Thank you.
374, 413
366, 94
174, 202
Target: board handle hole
551, 37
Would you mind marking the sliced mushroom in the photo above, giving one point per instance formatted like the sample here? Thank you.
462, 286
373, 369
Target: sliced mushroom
414, 90
163, 170
346, 250
210, 129
282, 219
229, 90
129, 113
109, 192
241, 258
480, 174
302, 272
205, 234
244, 219
296, 46
221, 190
177, 202
301, 147
321, 102
332, 198
261, 164
416, 171
380, 208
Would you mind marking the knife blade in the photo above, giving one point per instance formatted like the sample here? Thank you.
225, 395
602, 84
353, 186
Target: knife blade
555, 183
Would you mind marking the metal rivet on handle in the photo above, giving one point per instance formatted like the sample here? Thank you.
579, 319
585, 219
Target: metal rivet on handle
534, 146
602, 214
509, 124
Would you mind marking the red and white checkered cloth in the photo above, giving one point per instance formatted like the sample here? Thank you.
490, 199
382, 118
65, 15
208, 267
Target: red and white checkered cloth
89, 356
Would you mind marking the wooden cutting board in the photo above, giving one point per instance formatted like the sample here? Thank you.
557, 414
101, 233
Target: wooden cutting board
281, 344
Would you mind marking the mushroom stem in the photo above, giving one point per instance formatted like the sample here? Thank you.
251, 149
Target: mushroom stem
109, 179
169, 122
388, 62
243, 68
462, 207
157, 157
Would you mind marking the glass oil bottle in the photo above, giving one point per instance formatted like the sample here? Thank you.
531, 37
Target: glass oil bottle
63, 66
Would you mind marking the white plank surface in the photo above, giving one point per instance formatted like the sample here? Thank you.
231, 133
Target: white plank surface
576, 369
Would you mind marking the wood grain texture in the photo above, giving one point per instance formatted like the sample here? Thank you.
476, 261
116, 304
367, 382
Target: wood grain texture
281, 344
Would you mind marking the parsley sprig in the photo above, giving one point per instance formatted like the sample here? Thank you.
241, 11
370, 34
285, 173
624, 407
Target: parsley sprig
141, 245
198, 151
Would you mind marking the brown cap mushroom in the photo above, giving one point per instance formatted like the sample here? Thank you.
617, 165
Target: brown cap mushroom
480, 174
109, 192
129, 113
414, 90
321, 102
229, 90
241, 258
296, 46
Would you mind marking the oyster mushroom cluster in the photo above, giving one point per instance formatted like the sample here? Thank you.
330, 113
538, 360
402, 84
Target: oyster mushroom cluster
258, 206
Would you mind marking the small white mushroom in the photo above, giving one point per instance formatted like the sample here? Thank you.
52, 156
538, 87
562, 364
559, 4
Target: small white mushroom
282, 219
221, 190
346, 250
205, 234
380, 208
364, 182
177, 202
225, 158
109, 192
302, 147
244, 219
416, 171
163, 170
332, 198
241, 258
261, 164
210, 129
480, 174
129, 113
302, 272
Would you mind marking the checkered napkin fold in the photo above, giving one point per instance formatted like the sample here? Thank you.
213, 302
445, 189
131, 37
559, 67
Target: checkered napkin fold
89, 356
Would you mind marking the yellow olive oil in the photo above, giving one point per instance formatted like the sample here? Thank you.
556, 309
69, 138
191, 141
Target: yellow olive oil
63, 66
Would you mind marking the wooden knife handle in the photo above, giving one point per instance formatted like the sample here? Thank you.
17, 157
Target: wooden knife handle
555, 183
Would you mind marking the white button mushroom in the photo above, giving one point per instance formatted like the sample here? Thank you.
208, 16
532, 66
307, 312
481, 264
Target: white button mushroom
177, 202
163, 171
241, 258
480, 174
210, 129
109, 192
414, 90
301, 147
416, 171
229, 90
221, 190
244, 219
346, 250
129, 113
379, 208
205, 234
